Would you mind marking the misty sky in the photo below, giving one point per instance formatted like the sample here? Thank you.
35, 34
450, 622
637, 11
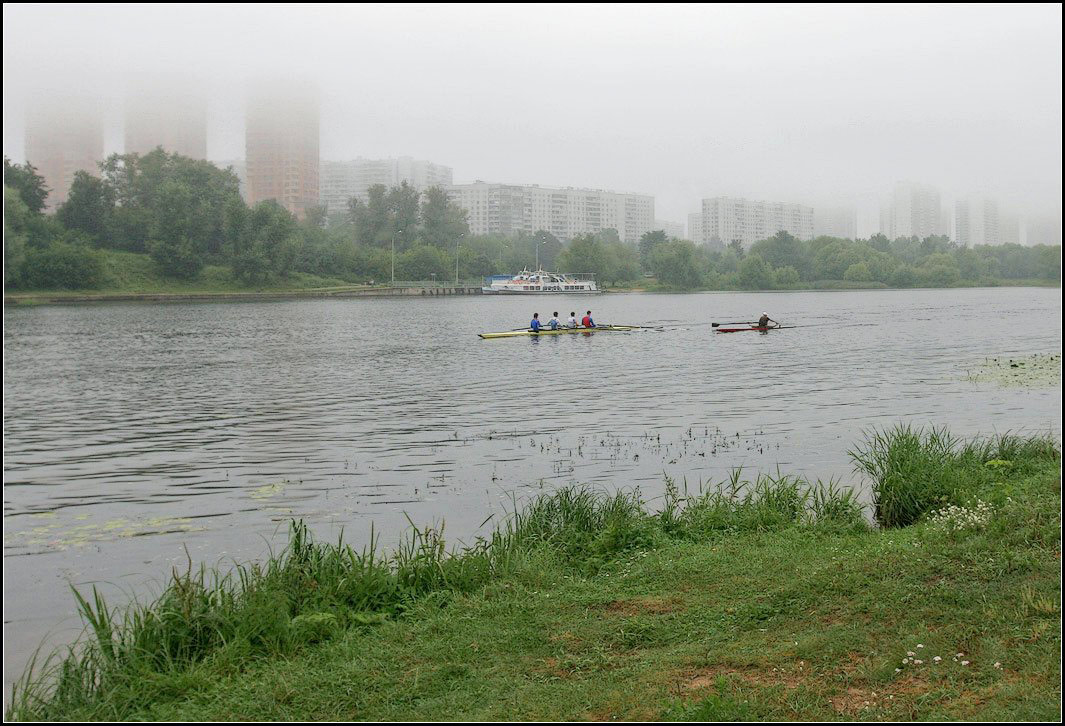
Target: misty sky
820, 105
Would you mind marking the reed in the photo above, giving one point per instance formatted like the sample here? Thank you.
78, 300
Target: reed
916, 471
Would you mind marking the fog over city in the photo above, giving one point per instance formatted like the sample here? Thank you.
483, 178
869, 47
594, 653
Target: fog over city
816, 105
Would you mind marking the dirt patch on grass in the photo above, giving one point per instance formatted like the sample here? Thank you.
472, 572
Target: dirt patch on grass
755, 675
644, 606
851, 700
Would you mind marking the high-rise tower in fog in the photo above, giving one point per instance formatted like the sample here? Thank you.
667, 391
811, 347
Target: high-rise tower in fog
281, 146
915, 210
64, 135
161, 113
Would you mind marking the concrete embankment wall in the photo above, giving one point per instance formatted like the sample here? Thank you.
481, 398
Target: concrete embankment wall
59, 298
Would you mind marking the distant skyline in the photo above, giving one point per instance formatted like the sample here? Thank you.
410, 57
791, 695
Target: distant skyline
821, 105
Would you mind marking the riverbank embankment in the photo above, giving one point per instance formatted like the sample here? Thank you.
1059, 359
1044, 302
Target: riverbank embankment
61, 298
762, 600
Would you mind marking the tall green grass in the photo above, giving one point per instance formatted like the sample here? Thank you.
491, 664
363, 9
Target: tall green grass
915, 471
312, 591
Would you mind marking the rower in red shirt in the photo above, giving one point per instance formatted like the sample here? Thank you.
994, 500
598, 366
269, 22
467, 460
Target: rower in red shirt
587, 321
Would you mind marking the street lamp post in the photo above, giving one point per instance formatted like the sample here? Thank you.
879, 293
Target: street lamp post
457, 243
394, 255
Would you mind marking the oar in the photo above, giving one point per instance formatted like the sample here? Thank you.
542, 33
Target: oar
744, 322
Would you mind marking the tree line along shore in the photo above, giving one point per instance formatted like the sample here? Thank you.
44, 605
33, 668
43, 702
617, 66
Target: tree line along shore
765, 599
163, 223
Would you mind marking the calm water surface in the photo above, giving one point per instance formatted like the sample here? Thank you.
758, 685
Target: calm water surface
135, 432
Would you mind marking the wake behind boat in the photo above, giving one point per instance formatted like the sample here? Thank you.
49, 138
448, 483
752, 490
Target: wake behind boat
539, 283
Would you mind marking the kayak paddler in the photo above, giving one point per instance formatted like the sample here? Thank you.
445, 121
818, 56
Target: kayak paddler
587, 321
535, 324
765, 320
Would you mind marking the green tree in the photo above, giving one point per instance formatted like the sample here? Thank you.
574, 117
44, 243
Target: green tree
176, 202
781, 250
16, 214
372, 219
858, 272
264, 242
938, 270
648, 242
786, 277
424, 263
89, 208
404, 207
755, 273
587, 254
29, 185
675, 264
69, 264
444, 223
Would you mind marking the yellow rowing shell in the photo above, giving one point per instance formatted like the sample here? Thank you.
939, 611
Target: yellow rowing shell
559, 331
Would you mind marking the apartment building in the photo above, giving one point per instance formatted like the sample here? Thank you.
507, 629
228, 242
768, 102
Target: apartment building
342, 180
839, 222
672, 229
726, 220
565, 212
281, 143
977, 222
914, 210
64, 136
695, 228
175, 120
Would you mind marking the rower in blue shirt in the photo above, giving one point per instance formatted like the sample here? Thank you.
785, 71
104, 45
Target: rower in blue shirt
553, 322
535, 324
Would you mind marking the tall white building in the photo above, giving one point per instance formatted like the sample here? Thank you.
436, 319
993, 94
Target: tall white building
726, 219
342, 180
1009, 229
1043, 230
695, 228
672, 229
915, 210
977, 222
511, 209
839, 222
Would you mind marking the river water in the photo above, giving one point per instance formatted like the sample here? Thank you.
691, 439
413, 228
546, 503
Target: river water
137, 435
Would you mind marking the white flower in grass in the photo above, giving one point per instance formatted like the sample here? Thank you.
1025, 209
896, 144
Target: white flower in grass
998, 665
918, 662
937, 659
965, 662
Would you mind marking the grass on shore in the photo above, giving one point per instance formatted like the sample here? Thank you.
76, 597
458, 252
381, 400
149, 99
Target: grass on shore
755, 600
130, 273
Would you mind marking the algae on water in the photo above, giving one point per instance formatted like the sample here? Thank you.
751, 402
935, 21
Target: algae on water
1038, 370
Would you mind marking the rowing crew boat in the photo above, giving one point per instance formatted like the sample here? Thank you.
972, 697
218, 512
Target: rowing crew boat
756, 328
560, 331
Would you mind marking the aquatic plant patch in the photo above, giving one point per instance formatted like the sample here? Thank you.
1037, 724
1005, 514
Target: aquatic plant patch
1039, 370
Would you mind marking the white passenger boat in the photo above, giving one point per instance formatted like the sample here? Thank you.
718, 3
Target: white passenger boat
539, 282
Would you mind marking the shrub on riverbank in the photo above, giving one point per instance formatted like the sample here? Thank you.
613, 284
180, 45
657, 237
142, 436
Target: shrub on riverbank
215, 624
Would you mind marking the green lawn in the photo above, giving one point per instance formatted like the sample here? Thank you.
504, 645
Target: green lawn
129, 273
